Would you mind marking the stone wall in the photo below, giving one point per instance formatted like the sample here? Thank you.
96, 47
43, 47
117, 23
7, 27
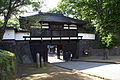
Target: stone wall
83, 45
23, 51
100, 52
20, 48
90, 44
8, 45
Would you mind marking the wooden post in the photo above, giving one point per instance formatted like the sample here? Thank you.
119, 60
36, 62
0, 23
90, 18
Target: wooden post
58, 51
51, 35
30, 34
41, 34
25, 38
69, 32
60, 35
63, 52
77, 32
30, 38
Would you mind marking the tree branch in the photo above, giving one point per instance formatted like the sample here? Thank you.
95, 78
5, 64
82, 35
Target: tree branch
21, 3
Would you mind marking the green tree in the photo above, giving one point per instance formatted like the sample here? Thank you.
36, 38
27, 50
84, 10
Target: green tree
13, 22
12, 7
55, 10
102, 14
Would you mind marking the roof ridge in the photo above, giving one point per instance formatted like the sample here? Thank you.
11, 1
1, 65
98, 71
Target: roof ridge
44, 13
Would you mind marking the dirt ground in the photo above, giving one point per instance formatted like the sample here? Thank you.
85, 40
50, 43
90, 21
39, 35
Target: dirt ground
49, 72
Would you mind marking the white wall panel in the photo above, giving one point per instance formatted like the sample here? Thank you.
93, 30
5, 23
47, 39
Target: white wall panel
87, 36
9, 34
19, 35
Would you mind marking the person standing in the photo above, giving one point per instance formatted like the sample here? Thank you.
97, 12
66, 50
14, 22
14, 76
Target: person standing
70, 55
86, 52
66, 56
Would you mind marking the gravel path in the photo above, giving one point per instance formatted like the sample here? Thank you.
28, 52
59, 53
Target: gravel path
106, 70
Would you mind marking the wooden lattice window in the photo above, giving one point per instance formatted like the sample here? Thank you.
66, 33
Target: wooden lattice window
55, 26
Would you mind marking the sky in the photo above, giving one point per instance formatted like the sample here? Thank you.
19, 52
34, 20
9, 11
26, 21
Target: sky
49, 4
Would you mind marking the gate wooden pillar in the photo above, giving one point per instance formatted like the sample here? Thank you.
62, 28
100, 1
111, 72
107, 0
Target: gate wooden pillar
58, 51
63, 55
64, 51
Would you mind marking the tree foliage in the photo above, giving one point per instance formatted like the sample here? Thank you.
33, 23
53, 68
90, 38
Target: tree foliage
7, 64
12, 7
13, 22
55, 10
101, 14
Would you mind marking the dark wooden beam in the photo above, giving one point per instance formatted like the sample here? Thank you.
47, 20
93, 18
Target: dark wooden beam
51, 35
41, 34
77, 32
24, 38
30, 38
69, 32
60, 36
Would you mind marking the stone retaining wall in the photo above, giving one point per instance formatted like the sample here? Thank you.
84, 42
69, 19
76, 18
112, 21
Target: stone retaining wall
90, 44
20, 48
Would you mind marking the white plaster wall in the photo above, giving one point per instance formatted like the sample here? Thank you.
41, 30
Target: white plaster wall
45, 24
73, 25
9, 34
70, 25
87, 36
19, 35
65, 25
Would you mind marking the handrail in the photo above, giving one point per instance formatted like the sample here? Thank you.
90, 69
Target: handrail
47, 36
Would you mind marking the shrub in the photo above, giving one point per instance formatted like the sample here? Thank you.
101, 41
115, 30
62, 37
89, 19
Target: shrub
7, 64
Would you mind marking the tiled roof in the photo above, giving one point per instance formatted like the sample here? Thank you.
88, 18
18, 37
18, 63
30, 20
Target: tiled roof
52, 17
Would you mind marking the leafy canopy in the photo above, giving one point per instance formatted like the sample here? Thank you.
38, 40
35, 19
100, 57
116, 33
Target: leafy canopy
7, 64
13, 7
103, 15
55, 10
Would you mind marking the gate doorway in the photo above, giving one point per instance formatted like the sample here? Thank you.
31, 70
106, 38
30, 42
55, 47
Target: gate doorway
55, 53
55, 48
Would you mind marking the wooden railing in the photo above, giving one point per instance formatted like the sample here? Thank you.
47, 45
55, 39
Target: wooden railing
52, 37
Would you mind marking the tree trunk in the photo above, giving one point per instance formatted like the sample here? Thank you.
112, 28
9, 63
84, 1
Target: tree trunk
6, 18
1, 34
2, 30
